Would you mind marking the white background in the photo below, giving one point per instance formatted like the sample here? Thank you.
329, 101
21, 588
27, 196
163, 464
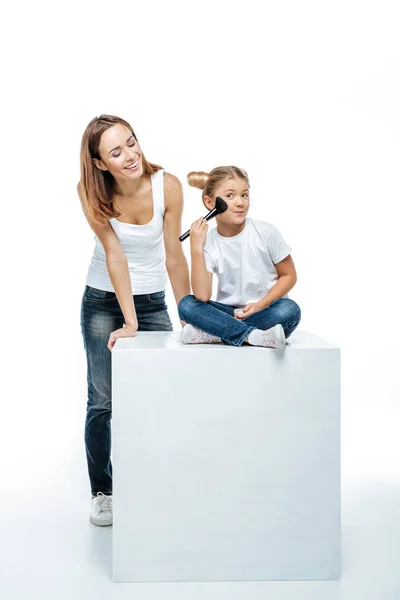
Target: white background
304, 95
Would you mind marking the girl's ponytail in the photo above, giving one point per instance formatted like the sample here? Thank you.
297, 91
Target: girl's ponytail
197, 179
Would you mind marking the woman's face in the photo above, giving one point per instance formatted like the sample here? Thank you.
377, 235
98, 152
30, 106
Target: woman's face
120, 153
235, 192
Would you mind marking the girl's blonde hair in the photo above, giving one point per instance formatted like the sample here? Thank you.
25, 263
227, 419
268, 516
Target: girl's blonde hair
208, 182
98, 185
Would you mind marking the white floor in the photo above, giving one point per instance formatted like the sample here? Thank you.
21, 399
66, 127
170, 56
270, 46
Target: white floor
48, 548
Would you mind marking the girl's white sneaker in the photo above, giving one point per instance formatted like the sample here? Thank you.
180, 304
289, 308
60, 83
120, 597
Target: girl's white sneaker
269, 338
192, 335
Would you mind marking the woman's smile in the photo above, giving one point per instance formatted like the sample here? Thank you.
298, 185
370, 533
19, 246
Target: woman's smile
134, 166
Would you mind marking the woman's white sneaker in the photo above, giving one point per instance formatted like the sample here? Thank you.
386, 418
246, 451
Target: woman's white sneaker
192, 335
269, 338
101, 510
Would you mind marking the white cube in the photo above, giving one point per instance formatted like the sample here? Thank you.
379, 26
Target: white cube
226, 461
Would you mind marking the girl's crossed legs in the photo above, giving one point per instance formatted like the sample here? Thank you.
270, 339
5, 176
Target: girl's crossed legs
217, 319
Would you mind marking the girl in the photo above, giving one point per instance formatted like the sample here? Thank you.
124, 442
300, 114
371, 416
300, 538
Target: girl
135, 209
254, 268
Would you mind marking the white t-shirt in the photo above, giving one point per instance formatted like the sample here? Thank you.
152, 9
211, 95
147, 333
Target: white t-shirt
245, 263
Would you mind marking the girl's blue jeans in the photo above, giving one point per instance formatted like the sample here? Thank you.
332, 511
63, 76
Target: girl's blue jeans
100, 315
217, 318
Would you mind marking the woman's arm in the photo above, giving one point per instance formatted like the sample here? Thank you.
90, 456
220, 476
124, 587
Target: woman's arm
175, 259
117, 266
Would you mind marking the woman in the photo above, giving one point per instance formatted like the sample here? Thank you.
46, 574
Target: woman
135, 210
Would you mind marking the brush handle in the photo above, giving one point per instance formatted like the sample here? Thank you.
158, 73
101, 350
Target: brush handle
219, 208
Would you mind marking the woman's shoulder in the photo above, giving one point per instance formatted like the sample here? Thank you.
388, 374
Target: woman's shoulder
173, 193
171, 179
172, 184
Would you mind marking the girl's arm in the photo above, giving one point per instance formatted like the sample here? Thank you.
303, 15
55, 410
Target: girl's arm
201, 278
287, 280
117, 266
175, 259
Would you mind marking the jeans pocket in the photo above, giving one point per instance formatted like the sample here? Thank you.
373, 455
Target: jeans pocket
157, 297
95, 295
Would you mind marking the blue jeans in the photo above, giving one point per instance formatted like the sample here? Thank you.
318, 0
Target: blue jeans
217, 318
100, 315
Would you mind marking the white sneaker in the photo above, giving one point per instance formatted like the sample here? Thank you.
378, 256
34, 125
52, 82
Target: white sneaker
269, 338
101, 510
193, 335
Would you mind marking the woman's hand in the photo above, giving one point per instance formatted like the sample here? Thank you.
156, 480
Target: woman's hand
119, 333
198, 234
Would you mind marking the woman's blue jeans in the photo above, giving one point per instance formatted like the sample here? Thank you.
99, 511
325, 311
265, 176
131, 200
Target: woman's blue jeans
100, 315
217, 319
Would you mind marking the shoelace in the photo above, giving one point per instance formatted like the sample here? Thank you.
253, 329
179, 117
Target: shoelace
199, 336
104, 502
270, 338
203, 336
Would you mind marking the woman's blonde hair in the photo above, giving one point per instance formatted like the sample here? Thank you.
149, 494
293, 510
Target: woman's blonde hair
208, 182
98, 185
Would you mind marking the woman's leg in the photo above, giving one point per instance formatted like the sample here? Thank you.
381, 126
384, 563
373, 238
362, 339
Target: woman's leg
214, 318
100, 315
152, 312
283, 311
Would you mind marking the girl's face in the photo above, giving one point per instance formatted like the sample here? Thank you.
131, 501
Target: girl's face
235, 192
120, 153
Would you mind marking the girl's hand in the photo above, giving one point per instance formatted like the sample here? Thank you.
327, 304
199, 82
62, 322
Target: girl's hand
248, 310
119, 333
198, 234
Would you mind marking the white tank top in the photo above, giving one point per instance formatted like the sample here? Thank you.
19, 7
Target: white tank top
143, 246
